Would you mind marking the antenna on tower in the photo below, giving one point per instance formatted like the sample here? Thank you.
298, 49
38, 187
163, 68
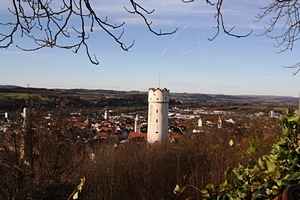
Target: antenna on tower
159, 80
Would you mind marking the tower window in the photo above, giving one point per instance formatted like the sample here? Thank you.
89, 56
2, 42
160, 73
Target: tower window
156, 111
156, 120
157, 99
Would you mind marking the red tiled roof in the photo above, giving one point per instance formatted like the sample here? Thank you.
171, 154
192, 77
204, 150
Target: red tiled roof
103, 134
106, 123
137, 135
105, 129
81, 124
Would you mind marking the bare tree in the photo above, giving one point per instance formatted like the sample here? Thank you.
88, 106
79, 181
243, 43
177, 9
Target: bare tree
220, 26
283, 13
54, 20
280, 13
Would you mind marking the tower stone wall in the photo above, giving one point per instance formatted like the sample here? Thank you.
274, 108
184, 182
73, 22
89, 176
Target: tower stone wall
158, 100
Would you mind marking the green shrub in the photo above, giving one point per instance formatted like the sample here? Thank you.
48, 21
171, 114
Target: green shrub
270, 175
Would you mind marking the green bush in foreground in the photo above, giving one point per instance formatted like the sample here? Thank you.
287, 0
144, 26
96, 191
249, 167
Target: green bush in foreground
270, 175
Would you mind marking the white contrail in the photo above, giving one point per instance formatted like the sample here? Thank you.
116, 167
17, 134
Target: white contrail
201, 54
184, 53
177, 35
165, 49
189, 51
198, 47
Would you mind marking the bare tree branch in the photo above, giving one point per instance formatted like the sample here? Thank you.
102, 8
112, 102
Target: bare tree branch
283, 13
295, 66
46, 23
136, 7
220, 20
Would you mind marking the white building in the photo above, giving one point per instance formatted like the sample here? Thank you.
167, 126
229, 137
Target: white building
137, 124
158, 105
25, 115
200, 122
220, 122
106, 115
272, 113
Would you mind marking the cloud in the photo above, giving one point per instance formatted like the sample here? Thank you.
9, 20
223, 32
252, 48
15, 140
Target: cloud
225, 61
170, 12
184, 84
19, 52
5, 4
292, 77
221, 86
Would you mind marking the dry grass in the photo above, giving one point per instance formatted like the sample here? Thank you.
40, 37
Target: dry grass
152, 171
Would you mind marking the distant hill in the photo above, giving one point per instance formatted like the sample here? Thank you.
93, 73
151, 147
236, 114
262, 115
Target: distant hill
10, 86
178, 96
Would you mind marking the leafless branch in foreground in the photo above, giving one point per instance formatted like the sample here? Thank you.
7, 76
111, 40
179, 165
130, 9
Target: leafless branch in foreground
138, 9
285, 14
48, 23
220, 26
295, 66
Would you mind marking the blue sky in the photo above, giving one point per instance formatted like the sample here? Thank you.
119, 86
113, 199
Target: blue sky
186, 61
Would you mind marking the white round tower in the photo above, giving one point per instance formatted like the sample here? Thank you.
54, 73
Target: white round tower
158, 107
